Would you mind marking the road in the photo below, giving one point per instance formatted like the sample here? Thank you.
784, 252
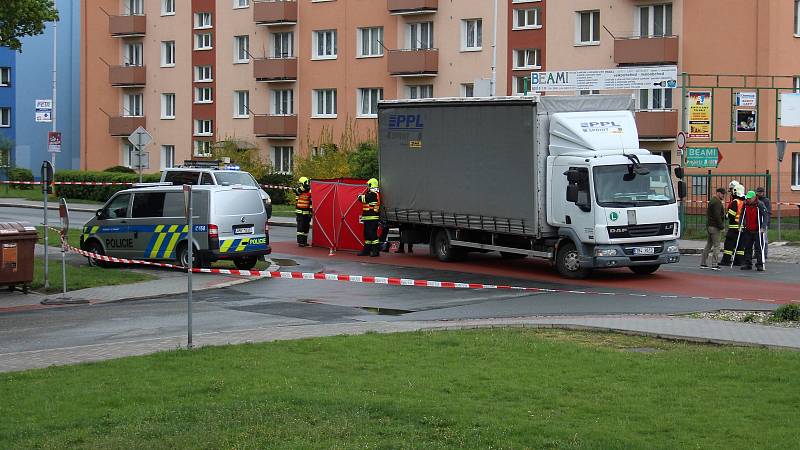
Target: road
36, 216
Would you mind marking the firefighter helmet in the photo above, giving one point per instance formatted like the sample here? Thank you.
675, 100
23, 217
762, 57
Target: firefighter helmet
739, 191
372, 183
303, 180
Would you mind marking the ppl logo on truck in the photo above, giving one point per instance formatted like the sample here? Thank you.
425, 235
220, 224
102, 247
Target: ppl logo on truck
608, 126
405, 122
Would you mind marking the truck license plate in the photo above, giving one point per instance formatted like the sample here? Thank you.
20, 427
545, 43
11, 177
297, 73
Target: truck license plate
644, 251
243, 229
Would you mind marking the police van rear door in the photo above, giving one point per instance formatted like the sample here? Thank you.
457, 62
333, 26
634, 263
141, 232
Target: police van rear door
239, 214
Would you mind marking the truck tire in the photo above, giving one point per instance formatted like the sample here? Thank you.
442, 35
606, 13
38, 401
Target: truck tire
568, 262
245, 262
644, 270
440, 246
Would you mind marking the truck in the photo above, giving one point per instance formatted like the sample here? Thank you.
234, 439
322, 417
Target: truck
561, 178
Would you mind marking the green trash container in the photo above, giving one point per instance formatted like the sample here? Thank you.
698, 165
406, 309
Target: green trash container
17, 241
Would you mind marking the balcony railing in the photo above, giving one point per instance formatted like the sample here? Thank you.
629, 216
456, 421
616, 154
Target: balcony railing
122, 126
127, 26
272, 12
408, 62
646, 50
657, 124
275, 126
127, 76
402, 7
275, 69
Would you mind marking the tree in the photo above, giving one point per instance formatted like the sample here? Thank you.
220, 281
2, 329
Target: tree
243, 154
364, 161
19, 18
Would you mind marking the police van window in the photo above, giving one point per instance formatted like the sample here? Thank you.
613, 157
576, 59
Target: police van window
231, 178
206, 179
236, 202
173, 204
118, 208
148, 204
180, 178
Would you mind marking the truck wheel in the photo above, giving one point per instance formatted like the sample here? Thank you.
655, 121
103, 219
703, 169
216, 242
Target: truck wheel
443, 250
245, 262
568, 262
182, 256
95, 247
644, 270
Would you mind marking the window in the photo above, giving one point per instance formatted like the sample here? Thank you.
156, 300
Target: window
370, 42
527, 18
655, 98
368, 101
203, 127
468, 90
654, 20
202, 74
5, 76
420, 35
134, 7
148, 204
324, 44
283, 102
520, 85
202, 41
132, 54
118, 208
472, 33
5, 117
796, 170
527, 58
324, 103
420, 91
133, 105
241, 49
587, 29
797, 85
797, 18
282, 159
202, 148
241, 4
283, 45
241, 104
203, 95
167, 7
168, 54
167, 156
167, 106
588, 92
202, 20
699, 186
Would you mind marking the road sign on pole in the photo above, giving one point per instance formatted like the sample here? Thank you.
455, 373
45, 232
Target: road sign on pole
140, 138
54, 141
44, 110
780, 145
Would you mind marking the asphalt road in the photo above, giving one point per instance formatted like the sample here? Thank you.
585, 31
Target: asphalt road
36, 216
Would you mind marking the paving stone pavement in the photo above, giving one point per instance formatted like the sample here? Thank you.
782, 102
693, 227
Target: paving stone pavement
700, 330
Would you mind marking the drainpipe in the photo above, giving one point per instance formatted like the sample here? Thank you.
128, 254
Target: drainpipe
493, 85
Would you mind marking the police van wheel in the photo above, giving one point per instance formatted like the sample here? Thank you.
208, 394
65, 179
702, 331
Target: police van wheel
568, 262
182, 256
644, 270
245, 263
95, 247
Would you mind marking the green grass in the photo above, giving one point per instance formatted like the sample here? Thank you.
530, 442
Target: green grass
83, 276
36, 195
471, 389
786, 235
283, 210
54, 238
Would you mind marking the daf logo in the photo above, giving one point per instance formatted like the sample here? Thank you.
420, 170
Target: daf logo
242, 219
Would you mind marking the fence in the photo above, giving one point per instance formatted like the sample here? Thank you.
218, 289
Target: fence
701, 188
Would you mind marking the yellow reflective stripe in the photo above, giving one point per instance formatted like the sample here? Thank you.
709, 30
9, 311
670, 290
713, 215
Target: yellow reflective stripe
226, 245
95, 228
159, 228
157, 245
242, 245
171, 245
185, 229
173, 228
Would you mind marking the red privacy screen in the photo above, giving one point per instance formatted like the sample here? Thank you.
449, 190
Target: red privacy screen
336, 213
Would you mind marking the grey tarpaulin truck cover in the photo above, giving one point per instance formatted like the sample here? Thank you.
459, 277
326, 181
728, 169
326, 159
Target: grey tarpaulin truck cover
473, 167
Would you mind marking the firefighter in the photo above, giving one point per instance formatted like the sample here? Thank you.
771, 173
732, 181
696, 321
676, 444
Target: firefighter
734, 211
303, 210
370, 216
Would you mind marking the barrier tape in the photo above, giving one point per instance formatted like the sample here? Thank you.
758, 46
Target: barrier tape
117, 183
774, 203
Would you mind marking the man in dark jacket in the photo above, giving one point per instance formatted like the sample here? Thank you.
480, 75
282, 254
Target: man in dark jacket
715, 222
752, 223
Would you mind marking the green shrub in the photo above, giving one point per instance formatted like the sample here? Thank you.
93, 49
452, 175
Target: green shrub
364, 161
785, 313
278, 196
119, 169
21, 174
97, 193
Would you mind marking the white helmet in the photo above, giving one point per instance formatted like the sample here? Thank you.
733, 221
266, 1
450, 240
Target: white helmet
732, 185
739, 191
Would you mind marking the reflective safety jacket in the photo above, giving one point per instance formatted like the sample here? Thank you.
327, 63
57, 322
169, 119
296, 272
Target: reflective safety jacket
734, 212
303, 203
370, 204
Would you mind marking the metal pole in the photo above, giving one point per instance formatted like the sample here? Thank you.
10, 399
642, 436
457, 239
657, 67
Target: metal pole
139, 153
778, 204
46, 231
53, 114
493, 90
64, 268
189, 270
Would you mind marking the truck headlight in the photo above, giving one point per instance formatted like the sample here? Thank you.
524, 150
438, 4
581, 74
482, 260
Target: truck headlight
672, 249
605, 252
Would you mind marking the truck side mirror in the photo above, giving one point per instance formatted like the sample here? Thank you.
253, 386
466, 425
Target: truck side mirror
681, 189
679, 172
572, 193
573, 176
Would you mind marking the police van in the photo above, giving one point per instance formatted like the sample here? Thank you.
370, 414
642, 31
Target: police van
229, 222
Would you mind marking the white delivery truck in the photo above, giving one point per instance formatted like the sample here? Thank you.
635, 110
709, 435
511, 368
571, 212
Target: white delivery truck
556, 177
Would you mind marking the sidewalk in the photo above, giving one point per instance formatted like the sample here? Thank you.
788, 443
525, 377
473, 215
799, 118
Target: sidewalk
778, 251
698, 330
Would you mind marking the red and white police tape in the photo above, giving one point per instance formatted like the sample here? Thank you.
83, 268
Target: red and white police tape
774, 203
114, 183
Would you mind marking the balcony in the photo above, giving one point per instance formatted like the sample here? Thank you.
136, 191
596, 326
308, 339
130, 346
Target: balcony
275, 13
646, 50
413, 63
127, 76
123, 126
408, 7
274, 70
127, 26
276, 127
657, 124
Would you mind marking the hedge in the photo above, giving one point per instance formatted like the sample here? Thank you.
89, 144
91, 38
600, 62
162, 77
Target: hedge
97, 193
278, 196
21, 174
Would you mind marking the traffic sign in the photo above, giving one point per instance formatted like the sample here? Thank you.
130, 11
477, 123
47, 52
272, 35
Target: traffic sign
44, 110
703, 157
140, 159
681, 140
140, 137
54, 141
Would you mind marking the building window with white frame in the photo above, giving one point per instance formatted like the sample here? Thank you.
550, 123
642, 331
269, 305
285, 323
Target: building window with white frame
202, 20
420, 91
241, 49
419, 35
241, 104
587, 27
5, 76
203, 95
203, 74
324, 105
527, 19
5, 117
168, 7
203, 127
282, 159
203, 41
128, 154
368, 101
134, 7
370, 42
527, 58
283, 45
168, 106
472, 33
655, 99
324, 42
797, 18
167, 53
238, 4
132, 54
654, 20
796, 171
133, 105
468, 89
282, 102
202, 148
167, 156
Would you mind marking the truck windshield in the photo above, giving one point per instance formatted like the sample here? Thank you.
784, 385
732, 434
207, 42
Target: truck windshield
620, 186
231, 178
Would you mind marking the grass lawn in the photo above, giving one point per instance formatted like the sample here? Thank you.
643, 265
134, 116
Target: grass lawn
792, 235
283, 210
83, 276
36, 194
496, 388
54, 239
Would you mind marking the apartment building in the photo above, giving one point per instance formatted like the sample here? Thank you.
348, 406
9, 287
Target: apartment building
279, 75
527, 43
